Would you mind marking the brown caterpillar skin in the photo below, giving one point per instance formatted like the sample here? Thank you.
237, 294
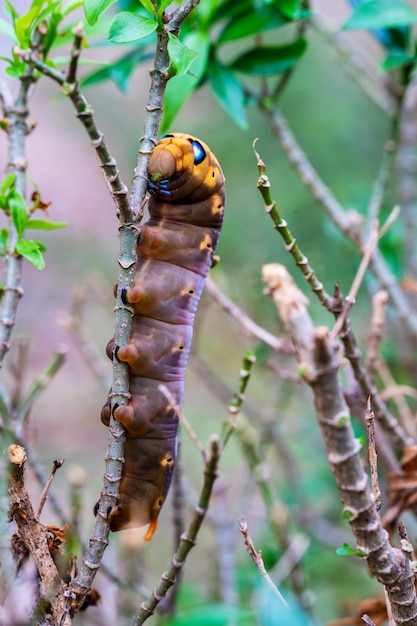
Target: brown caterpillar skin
175, 249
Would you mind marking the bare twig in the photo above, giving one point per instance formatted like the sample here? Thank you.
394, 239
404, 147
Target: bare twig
258, 560
251, 328
347, 222
360, 275
334, 305
186, 424
379, 302
370, 425
41, 382
188, 539
55, 466
84, 112
78, 32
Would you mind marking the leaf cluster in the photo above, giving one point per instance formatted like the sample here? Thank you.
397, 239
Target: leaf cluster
13, 204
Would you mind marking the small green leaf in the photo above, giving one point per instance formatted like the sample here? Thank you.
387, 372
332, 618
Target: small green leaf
179, 88
94, 8
346, 550
7, 30
270, 60
148, 6
180, 56
381, 14
16, 69
228, 91
4, 237
251, 23
396, 59
45, 225
71, 6
18, 210
127, 27
7, 183
31, 250
162, 5
290, 8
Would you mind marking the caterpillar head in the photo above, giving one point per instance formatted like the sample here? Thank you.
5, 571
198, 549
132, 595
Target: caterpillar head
182, 168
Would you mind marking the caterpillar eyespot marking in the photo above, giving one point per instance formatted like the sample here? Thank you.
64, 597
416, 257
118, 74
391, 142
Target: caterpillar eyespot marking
186, 212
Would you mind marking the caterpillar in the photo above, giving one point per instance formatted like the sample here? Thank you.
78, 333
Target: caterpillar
175, 248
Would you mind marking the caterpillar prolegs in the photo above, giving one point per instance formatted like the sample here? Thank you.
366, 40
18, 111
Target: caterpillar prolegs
175, 249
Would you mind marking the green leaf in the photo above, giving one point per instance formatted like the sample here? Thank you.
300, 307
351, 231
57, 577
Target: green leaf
180, 56
18, 210
179, 88
228, 91
10, 10
251, 23
381, 14
7, 30
148, 6
94, 8
31, 250
7, 183
291, 8
270, 60
396, 59
4, 237
25, 24
127, 27
71, 6
45, 225
162, 5
346, 550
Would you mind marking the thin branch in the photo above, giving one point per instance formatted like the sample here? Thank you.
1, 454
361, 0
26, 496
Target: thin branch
185, 423
388, 564
84, 111
251, 328
373, 359
17, 129
258, 560
370, 425
334, 305
188, 539
41, 382
78, 32
348, 222
55, 467
359, 277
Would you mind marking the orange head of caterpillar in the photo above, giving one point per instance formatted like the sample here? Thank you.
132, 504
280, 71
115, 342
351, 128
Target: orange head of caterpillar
181, 168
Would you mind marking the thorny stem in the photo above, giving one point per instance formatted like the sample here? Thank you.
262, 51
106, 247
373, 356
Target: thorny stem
258, 560
290, 242
15, 114
349, 223
334, 306
188, 538
238, 397
211, 461
385, 562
